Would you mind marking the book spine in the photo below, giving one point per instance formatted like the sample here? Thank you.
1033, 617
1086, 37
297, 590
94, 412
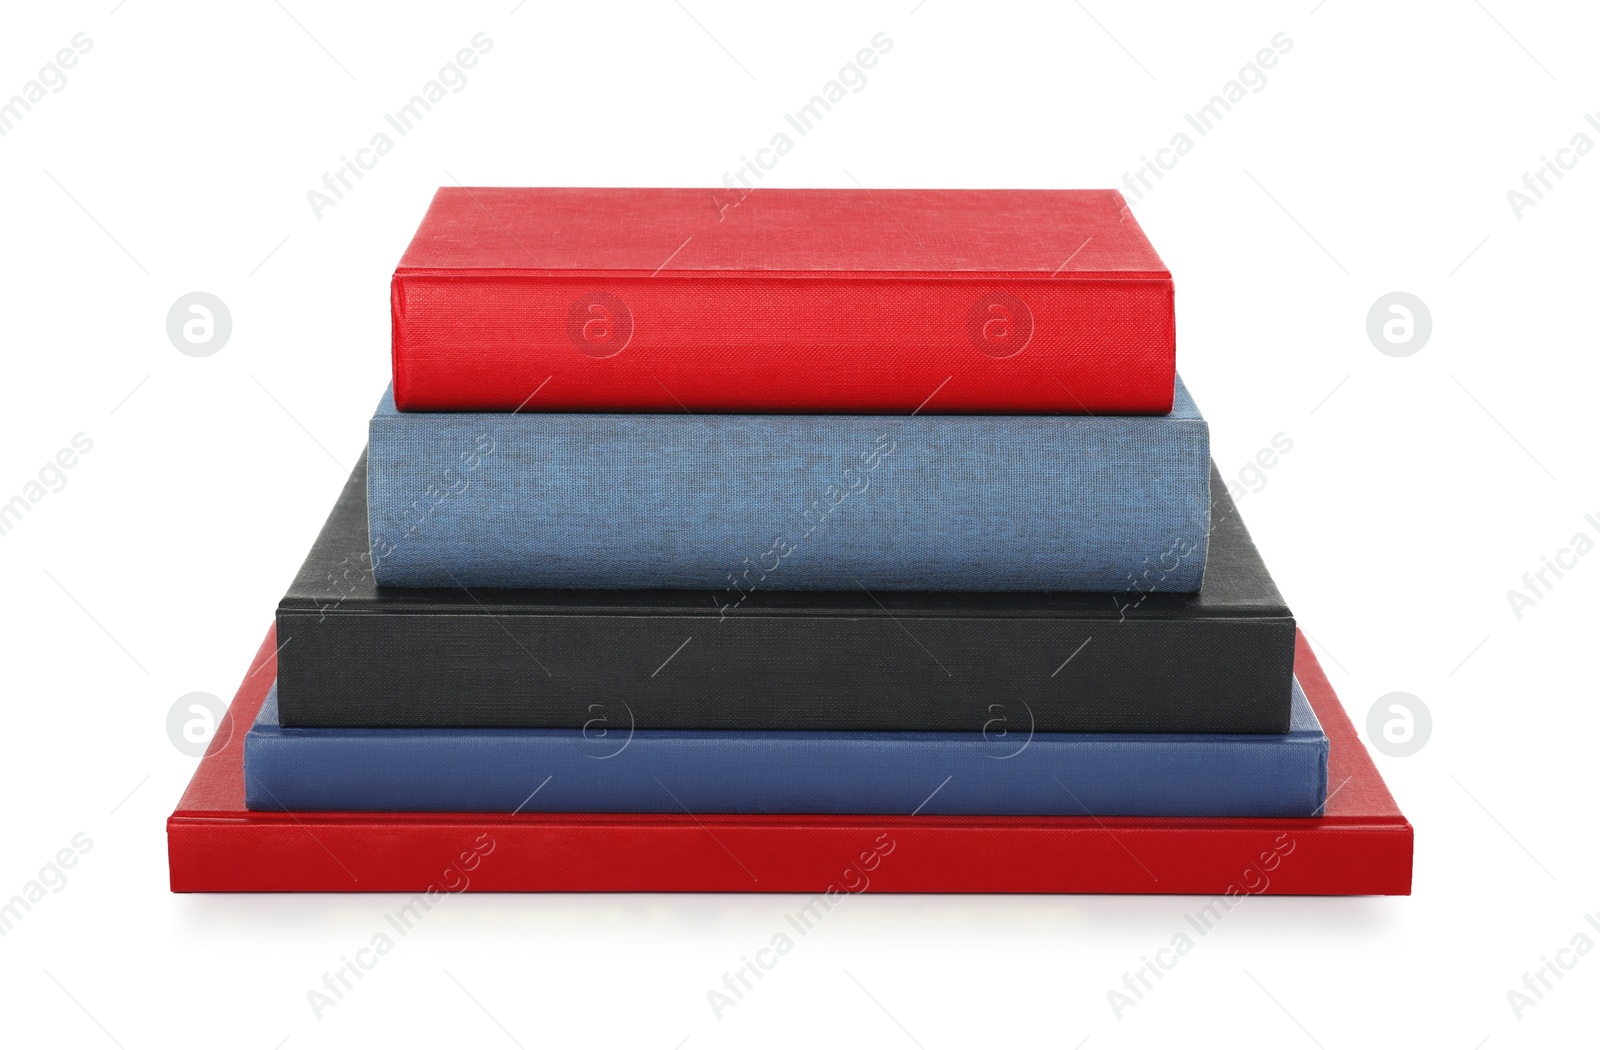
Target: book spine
1150, 674
608, 767
737, 505
748, 343
333, 853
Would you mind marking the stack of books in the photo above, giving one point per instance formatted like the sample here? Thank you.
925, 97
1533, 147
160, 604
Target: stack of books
806, 541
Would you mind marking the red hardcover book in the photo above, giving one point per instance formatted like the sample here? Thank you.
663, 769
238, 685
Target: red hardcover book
1361, 846
833, 301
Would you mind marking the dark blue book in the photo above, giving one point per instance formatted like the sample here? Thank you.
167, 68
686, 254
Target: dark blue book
746, 504
607, 768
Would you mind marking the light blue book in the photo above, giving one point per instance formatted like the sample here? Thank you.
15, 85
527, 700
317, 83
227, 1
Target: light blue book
741, 504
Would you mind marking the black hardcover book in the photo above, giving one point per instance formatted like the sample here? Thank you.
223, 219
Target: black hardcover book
1218, 661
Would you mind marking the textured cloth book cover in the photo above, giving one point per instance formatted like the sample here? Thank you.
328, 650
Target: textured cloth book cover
1005, 768
1360, 845
782, 300
732, 504
1144, 660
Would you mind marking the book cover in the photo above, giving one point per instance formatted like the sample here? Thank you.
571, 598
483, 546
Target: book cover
1142, 660
782, 300
1361, 844
729, 504
610, 768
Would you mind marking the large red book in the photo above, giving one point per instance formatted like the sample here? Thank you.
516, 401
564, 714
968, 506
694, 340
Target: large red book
1362, 845
773, 300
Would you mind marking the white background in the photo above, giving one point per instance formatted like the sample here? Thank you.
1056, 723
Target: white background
1377, 158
